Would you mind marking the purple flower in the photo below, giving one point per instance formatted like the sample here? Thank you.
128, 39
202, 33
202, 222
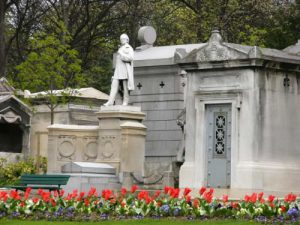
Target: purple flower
293, 212
176, 211
165, 209
15, 214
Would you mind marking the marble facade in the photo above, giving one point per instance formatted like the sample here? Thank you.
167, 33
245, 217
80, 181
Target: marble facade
257, 91
258, 149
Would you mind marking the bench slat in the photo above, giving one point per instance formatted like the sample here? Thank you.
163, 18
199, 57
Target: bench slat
45, 181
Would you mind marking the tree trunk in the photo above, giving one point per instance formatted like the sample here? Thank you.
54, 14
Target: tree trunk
2, 39
52, 115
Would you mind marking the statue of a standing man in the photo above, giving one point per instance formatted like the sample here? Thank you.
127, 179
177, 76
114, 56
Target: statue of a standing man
123, 72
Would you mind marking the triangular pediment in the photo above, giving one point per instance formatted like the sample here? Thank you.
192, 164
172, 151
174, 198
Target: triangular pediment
5, 87
10, 115
218, 52
214, 50
13, 110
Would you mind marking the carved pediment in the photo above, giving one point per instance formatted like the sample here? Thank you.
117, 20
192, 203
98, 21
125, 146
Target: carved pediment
216, 50
10, 116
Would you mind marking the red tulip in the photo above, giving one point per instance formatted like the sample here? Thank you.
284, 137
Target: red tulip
62, 192
271, 198
202, 190
134, 188
196, 203
166, 189
260, 196
290, 198
186, 191
92, 192
225, 198
157, 193
123, 191
188, 198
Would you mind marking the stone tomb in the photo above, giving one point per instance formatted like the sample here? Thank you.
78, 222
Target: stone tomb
85, 175
242, 120
118, 142
15, 121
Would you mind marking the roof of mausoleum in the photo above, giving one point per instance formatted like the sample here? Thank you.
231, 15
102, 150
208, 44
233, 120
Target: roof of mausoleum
216, 50
213, 50
89, 93
12, 108
293, 49
5, 88
160, 55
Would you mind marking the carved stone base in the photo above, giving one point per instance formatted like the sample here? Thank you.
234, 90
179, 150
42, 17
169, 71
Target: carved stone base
121, 140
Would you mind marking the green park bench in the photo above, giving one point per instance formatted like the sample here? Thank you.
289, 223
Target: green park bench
43, 181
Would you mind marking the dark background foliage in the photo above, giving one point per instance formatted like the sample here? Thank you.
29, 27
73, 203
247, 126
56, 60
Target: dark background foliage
94, 26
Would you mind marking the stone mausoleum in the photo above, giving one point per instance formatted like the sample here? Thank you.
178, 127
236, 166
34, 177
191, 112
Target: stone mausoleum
242, 125
15, 120
240, 104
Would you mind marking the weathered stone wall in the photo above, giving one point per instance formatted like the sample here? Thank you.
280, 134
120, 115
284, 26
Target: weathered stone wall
161, 98
71, 143
64, 114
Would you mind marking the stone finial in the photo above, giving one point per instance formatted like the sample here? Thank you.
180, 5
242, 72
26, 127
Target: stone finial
147, 37
215, 36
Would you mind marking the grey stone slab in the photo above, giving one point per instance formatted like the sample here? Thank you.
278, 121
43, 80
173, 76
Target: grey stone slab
120, 108
88, 167
83, 182
156, 125
162, 105
164, 70
164, 135
157, 159
155, 97
162, 148
162, 115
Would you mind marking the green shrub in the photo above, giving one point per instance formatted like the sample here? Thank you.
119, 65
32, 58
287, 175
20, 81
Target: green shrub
10, 173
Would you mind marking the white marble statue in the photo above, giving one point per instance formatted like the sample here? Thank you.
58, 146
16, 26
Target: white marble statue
123, 72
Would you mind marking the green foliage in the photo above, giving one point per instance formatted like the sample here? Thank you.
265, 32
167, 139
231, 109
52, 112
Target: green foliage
52, 65
47, 49
10, 173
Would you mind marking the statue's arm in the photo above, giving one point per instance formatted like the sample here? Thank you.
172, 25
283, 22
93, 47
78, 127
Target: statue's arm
126, 54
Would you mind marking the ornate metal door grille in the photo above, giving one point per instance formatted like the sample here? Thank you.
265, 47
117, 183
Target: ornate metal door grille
220, 134
218, 145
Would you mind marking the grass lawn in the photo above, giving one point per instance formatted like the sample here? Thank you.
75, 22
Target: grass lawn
133, 222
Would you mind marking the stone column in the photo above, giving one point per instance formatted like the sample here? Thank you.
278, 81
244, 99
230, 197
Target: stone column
121, 139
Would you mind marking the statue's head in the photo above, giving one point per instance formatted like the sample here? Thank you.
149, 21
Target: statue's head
124, 39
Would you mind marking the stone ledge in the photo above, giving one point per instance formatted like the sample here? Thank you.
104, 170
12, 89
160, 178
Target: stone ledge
120, 108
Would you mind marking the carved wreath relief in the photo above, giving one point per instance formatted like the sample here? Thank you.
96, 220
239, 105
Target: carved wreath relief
108, 146
90, 150
66, 148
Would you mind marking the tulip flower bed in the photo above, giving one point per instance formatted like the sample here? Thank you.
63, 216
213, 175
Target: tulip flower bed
94, 206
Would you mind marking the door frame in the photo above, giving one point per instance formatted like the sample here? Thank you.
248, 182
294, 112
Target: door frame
201, 100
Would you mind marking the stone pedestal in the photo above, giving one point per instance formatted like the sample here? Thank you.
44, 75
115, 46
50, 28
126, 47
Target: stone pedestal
121, 139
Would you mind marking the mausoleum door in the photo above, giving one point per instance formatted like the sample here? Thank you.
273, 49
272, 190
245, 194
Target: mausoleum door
218, 145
